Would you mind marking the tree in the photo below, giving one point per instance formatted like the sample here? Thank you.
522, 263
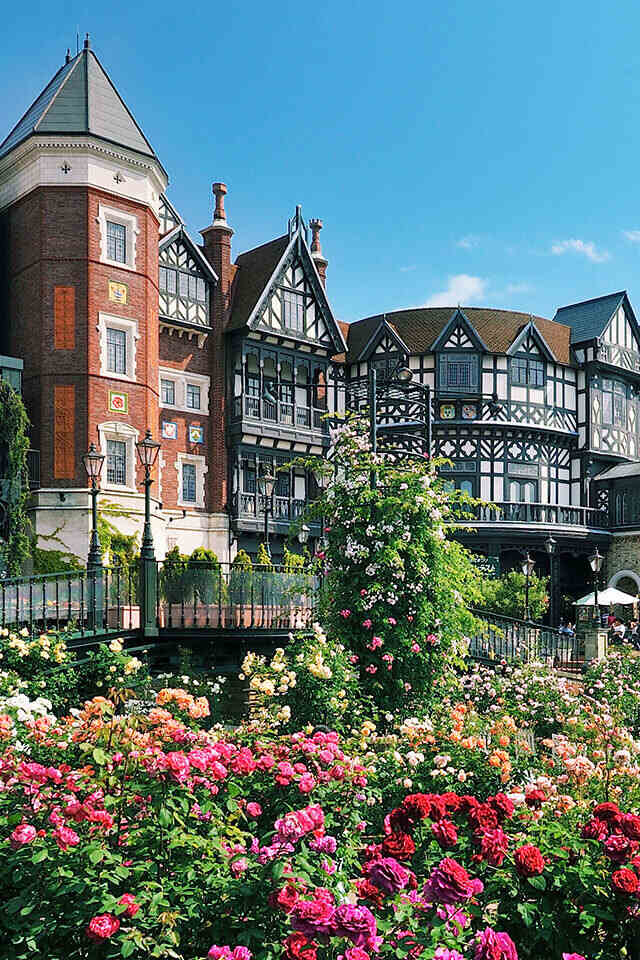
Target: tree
14, 479
506, 595
397, 586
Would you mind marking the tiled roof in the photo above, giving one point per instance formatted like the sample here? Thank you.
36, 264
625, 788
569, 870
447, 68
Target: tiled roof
254, 270
419, 328
620, 470
80, 99
589, 319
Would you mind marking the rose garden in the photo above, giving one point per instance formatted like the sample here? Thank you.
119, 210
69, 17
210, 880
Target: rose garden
384, 795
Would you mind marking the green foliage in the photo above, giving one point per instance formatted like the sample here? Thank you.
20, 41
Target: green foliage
53, 561
242, 561
506, 595
174, 584
122, 548
397, 586
294, 562
263, 558
14, 442
205, 577
240, 578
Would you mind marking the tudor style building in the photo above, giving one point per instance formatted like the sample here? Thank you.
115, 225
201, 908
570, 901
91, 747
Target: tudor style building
532, 414
125, 322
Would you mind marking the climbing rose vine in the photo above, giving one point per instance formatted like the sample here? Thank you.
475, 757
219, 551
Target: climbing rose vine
397, 586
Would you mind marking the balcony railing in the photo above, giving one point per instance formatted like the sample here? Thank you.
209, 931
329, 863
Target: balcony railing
252, 505
541, 513
288, 414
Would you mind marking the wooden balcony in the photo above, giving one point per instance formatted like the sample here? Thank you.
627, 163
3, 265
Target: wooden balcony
539, 515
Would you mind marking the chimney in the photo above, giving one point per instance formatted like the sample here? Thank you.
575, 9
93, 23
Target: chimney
316, 250
67, 58
217, 247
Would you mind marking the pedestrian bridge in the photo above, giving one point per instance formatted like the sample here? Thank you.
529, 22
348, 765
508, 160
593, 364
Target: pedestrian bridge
156, 601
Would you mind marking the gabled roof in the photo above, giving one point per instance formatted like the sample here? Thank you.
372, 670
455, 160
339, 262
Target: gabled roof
618, 471
80, 99
458, 317
255, 269
419, 328
383, 327
536, 335
181, 232
258, 269
589, 319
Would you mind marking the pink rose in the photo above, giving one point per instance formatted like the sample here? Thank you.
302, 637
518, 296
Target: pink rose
254, 810
357, 924
491, 945
129, 901
218, 953
306, 783
102, 927
22, 835
387, 874
66, 837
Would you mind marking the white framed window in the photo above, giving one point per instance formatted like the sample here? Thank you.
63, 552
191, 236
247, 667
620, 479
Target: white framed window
191, 470
167, 392
118, 444
293, 310
190, 390
118, 237
193, 396
189, 482
118, 338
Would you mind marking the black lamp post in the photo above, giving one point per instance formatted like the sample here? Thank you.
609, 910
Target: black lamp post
528, 565
266, 486
595, 562
93, 462
148, 450
550, 547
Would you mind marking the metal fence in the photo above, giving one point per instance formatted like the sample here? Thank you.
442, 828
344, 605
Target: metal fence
213, 595
80, 601
505, 638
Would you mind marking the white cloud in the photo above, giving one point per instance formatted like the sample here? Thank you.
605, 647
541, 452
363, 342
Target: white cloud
462, 289
407, 269
633, 236
468, 242
517, 288
586, 248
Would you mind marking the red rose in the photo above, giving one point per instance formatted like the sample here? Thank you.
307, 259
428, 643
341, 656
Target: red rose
287, 898
367, 891
624, 881
445, 833
535, 798
529, 861
452, 801
493, 846
619, 848
399, 845
502, 805
417, 806
102, 927
299, 947
401, 821
630, 825
594, 829
129, 901
467, 803
483, 817
606, 811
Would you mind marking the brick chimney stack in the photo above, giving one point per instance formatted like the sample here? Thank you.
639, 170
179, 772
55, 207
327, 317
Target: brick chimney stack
217, 249
316, 250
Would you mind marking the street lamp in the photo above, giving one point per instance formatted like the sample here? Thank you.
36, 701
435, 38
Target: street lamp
528, 566
404, 375
595, 562
266, 486
93, 462
148, 450
550, 547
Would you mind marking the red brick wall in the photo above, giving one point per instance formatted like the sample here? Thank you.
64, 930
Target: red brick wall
141, 306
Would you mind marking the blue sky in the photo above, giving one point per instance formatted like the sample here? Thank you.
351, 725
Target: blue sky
481, 152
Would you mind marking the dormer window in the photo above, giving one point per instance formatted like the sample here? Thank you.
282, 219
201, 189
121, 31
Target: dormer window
527, 372
293, 310
458, 372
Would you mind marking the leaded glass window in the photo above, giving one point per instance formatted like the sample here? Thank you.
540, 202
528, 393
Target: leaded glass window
293, 310
189, 482
116, 242
117, 462
116, 350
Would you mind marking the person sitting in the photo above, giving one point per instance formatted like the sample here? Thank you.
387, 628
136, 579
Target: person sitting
618, 631
568, 629
611, 620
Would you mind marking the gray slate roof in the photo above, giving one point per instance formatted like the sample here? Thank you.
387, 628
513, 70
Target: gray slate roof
620, 470
80, 99
590, 318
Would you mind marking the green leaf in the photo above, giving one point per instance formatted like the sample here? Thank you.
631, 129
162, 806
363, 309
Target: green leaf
164, 818
39, 855
99, 756
538, 882
127, 948
96, 856
278, 870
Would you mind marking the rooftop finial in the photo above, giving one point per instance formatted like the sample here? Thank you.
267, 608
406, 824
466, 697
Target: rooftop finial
67, 56
87, 42
219, 190
316, 226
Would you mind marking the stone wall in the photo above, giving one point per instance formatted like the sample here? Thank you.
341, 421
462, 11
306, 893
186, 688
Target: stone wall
622, 567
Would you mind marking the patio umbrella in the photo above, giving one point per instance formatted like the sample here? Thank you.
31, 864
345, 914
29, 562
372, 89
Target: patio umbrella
605, 598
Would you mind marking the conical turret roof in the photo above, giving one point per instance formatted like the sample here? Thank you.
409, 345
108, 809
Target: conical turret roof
80, 99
